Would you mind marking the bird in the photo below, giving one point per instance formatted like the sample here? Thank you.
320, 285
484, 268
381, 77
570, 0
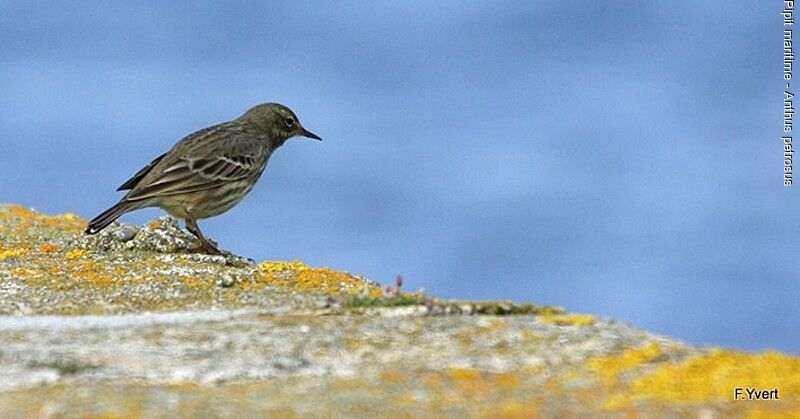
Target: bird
209, 171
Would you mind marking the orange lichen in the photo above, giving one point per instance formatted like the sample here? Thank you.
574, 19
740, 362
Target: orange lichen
467, 384
304, 277
432, 379
568, 319
610, 367
269, 279
193, 282
24, 272
154, 224
507, 380
392, 376
102, 280
49, 248
88, 272
714, 377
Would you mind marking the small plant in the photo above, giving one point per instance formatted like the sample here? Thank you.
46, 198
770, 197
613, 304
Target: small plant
394, 290
393, 297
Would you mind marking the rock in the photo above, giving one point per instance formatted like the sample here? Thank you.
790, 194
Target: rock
124, 233
132, 322
226, 280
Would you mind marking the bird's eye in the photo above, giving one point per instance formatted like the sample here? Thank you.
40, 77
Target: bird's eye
290, 123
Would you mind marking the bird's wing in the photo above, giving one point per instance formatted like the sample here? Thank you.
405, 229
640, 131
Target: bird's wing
202, 165
131, 183
144, 171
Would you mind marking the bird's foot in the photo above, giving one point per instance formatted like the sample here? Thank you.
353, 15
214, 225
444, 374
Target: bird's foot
238, 261
210, 249
230, 258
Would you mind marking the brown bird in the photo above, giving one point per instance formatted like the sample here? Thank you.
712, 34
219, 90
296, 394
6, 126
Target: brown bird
209, 171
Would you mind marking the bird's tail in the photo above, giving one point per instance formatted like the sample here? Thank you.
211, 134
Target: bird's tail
108, 216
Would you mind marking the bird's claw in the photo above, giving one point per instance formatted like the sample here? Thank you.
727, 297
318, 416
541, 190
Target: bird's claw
210, 249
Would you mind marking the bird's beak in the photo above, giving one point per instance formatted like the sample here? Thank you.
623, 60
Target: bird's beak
306, 133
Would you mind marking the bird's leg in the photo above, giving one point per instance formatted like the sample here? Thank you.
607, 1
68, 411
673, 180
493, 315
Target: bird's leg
208, 247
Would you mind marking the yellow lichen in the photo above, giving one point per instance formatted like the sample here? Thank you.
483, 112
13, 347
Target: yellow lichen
16, 211
64, 221
714, 377
11, 253
568, 319
764, 412
280, 266
610, 367
511, 409
352, 344
489, 325
464, 374
533, 369
328, 280
70, 217
25, 218
266, 279
76, 253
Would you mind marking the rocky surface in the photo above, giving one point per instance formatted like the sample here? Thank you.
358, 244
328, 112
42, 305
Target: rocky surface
131, 322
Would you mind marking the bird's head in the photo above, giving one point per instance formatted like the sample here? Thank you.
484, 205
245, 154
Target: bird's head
276, 121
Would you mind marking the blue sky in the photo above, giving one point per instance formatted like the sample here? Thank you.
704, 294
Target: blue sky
618, 158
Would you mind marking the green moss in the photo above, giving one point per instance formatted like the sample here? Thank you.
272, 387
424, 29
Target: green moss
403, 299
64, 366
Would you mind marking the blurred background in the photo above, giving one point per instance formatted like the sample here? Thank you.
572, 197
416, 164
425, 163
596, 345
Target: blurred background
621, 159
